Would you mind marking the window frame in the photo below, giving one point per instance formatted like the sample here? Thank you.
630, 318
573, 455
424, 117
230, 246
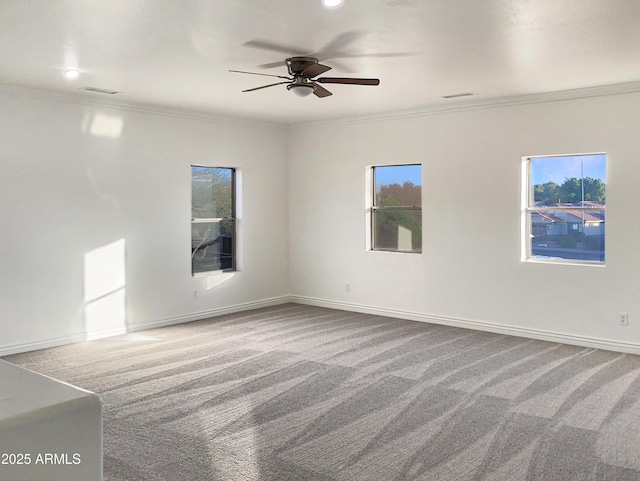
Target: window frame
529, 207
206, 220
382, 208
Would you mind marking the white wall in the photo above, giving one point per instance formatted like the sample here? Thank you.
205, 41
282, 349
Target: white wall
77, 177
470, 271
69, 192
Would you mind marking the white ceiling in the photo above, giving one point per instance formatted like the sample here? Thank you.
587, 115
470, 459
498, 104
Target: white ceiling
177, 53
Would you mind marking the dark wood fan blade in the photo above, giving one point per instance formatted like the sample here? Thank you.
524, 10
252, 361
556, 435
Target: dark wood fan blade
265, 86
264, 74
320, 91
345, 80
315, 70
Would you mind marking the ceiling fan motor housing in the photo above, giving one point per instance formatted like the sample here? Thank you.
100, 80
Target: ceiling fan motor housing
297, 65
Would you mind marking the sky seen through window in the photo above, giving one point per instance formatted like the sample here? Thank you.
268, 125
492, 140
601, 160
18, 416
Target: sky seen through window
559, 168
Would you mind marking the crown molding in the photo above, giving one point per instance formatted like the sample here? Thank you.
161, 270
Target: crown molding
455, 106
90, 101
479, 104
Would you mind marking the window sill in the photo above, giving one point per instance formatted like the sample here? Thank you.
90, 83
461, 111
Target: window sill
564, 262
394, 251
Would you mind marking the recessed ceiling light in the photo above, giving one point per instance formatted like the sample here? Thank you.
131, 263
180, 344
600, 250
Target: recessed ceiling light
331, 3
71, 73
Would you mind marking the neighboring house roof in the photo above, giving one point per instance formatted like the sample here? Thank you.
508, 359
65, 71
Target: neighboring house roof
595, 216
545, 217
573, 216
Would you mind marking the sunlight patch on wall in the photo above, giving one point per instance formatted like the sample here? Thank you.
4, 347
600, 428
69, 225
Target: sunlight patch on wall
216, 280
102, 125
105, 291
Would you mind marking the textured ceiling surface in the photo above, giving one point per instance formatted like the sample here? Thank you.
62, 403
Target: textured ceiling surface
177, 54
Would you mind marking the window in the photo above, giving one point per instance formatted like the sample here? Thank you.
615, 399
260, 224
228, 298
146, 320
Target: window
213, 220
396, 211
565, 208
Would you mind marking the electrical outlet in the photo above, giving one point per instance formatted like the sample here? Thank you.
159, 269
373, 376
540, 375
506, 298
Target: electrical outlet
195, 294
623, 319
347, 287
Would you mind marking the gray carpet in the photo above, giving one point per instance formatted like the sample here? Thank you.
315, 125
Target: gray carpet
303, 393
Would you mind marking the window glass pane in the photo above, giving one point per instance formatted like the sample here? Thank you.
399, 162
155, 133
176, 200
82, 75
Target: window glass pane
564, 234
211, 192
398, 230
398, 185
212, 246
567, 200
567, 180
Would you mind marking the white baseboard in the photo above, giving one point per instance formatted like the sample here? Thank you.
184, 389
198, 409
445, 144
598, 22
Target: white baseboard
34, 346
71, 339
543, 335
198, 316
95, 335
540, 334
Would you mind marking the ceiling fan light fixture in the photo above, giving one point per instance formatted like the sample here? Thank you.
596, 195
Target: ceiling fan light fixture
301, 90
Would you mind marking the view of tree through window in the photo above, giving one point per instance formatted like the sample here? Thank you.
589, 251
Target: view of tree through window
566, 207
397, 208
212, 219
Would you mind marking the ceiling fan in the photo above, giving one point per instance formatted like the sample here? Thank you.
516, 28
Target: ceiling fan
302, 79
